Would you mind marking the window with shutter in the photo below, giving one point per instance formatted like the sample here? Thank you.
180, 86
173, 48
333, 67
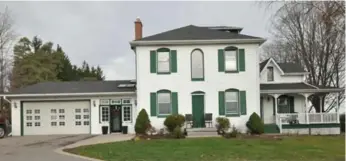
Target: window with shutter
231, 60
197, 65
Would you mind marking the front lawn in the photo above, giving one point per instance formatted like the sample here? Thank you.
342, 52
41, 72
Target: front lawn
293, 148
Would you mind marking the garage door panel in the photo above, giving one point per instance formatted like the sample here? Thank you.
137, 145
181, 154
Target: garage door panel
44, 118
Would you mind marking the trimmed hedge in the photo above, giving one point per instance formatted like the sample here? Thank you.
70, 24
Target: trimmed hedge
142, 124
255, 124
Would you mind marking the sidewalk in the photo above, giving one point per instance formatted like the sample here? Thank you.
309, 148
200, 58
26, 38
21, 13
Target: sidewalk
99, 139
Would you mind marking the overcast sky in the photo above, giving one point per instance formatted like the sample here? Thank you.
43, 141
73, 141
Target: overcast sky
99, 32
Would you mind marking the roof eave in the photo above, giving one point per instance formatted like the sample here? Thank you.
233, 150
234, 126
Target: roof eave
199, 42
283, 91
66, 94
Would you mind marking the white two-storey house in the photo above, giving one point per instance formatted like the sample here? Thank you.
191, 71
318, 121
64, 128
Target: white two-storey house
202, 72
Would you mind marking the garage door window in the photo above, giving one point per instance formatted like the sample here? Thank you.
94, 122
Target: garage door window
53, 111
77, 110
28, 118
61, 123
61, 117
53, 124
37, 111
28, 124
61, 110
37, 117
37, 124
28, 112
78, 123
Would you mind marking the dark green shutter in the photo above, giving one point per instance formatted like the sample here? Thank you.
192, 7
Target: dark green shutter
174, 103
221, 59
242, 95
241, 60
221, 103
174, 64
152, 61
153, 110
273, 106
291, 104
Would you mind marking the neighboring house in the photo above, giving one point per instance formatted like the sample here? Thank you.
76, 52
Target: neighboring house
191, 71
284, 99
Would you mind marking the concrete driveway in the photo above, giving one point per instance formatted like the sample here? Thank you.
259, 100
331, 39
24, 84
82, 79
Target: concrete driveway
38, 148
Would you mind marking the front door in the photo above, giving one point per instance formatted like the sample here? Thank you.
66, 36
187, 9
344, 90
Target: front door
198, 111
115, 119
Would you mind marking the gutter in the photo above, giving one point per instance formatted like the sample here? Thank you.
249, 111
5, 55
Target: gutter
67, 94
300, 91
197, 42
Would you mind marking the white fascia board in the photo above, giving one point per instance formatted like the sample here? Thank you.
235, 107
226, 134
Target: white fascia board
193, 42
281, 91
67, 94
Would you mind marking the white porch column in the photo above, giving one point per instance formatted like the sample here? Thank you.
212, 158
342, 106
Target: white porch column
306, 108
321, 115
337, 108
276, 96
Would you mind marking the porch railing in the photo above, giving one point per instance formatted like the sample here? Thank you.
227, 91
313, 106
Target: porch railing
309, 118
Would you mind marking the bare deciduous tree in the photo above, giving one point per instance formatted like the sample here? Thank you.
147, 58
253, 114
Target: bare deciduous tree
7, 37
312, 34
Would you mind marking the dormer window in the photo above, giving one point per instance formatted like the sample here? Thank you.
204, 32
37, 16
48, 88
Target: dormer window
270, 74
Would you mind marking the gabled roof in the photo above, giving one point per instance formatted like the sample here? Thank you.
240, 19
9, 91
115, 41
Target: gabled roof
76, 87
285, 67
192, 32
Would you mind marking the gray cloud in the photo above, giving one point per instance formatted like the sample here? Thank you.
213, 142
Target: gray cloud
99, 32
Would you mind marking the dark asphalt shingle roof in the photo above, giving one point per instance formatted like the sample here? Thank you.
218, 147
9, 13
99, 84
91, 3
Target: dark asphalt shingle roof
76, 87
192, 32
278, 86
285, 67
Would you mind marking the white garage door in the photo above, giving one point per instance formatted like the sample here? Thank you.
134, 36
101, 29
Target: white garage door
63, 117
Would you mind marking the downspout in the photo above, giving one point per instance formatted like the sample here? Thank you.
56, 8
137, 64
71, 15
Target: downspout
4, 97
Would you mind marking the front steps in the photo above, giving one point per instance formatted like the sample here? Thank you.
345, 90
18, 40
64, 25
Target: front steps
271, 129
202, 132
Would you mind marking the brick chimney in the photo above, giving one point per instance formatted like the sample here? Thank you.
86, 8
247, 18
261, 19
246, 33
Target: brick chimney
138, 28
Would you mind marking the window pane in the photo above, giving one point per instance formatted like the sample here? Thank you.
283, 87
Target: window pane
163, 62
231, 60
163, 56
197, 64
270, 73
164, 108
104, 114
232, 107
231, 96
164, 97
163, 66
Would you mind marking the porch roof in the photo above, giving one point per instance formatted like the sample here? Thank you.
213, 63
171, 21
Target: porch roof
296, 88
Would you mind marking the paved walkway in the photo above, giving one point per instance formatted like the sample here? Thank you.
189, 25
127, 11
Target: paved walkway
94, 140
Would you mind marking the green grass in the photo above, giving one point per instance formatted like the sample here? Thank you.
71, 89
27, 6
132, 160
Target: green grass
294, 148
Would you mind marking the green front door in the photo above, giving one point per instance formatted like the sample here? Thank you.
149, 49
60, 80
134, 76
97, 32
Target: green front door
198, 111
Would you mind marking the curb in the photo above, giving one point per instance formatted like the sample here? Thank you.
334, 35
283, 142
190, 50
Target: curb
61, 151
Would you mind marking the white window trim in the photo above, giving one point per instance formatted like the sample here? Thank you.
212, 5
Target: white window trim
104, 102
169, 62
123, 113
127, 99
101, 116
157, 104
115, 102
229, 113
272, 76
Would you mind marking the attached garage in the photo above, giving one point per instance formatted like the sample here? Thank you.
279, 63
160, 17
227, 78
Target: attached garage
56, 117
77, 107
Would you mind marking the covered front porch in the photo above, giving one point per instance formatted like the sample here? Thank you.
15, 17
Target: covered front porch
285, 108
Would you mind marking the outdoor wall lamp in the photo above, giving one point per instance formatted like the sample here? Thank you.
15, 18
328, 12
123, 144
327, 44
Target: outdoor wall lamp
94, 103
15, 104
